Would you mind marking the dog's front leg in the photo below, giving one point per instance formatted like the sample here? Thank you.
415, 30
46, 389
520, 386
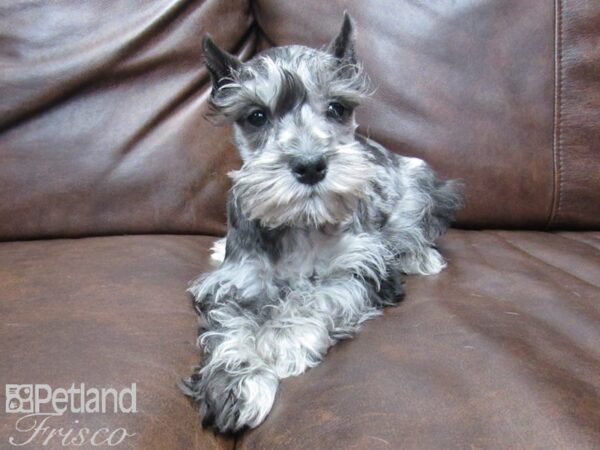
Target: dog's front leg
295, 338
358, 279
311, 319
234, 386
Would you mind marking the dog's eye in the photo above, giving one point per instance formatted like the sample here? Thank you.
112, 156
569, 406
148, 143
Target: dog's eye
257, 118
337, 111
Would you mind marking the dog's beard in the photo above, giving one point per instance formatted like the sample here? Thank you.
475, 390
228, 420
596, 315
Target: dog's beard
266, 189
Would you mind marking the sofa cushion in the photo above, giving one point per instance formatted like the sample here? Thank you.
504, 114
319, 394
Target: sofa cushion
498, 351
107, 312
101, 117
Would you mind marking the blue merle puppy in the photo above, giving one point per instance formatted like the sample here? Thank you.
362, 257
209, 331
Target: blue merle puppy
322, 224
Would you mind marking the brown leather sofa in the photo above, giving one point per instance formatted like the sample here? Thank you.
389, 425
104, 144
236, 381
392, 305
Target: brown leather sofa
112, 188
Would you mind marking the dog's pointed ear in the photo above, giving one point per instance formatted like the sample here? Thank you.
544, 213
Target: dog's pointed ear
220, 64
342, 46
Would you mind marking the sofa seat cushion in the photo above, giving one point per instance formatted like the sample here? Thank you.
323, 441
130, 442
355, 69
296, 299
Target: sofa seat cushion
498, 351
107, 312
501, 350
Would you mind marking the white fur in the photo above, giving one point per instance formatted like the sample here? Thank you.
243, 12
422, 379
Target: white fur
217, 252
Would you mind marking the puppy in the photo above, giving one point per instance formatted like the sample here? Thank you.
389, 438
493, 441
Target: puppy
322, 224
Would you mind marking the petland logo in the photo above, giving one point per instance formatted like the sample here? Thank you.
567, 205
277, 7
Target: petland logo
41, 404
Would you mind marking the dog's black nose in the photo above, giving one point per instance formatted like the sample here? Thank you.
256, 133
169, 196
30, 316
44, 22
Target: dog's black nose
308, 170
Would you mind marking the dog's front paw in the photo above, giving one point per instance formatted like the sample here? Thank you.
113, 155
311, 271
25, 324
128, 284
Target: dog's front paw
428, 261
232, 402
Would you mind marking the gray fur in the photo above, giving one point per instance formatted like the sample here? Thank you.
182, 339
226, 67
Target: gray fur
304, 265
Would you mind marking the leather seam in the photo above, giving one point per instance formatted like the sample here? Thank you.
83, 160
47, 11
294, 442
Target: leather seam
533, 256
579, 241
558, 96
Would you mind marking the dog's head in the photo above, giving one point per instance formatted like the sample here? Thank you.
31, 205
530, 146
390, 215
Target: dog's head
292, 110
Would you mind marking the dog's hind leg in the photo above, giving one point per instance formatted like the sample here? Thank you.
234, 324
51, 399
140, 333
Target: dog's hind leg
424, 210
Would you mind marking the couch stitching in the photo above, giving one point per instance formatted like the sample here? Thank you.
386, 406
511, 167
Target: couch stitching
558, 95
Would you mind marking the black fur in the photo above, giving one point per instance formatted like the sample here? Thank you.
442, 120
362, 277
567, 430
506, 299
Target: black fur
249, 236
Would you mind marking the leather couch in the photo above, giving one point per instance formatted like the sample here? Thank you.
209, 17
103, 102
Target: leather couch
113, 185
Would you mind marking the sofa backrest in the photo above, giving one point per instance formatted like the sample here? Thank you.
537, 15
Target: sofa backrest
504, 94
102, 104
101, 117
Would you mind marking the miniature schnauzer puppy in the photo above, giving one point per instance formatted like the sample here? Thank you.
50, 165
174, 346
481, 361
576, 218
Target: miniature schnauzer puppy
322, 223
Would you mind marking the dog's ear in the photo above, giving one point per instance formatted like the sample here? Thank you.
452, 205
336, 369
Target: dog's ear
342, 46
220, 64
